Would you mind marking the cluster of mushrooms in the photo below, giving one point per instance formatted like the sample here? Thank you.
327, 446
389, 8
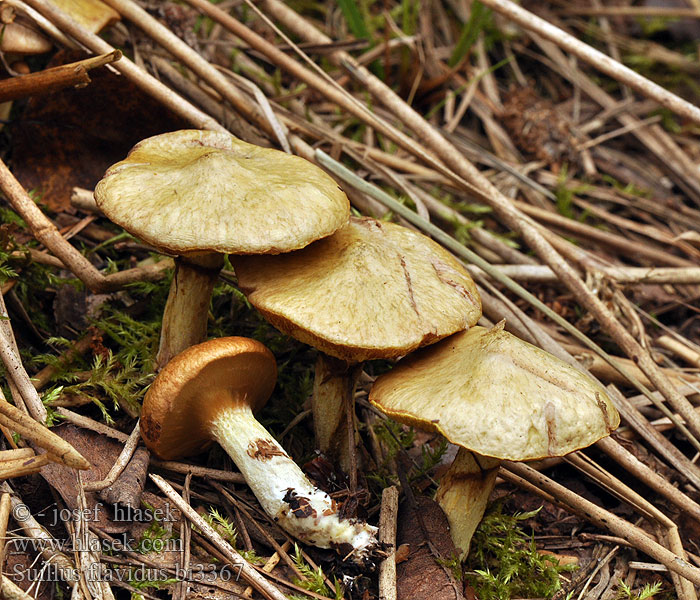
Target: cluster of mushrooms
354, 288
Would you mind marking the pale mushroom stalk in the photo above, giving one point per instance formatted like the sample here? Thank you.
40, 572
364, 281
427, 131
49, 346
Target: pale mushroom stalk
498, 398
208, 393
463, 493
332, 400
284, 492
187, 307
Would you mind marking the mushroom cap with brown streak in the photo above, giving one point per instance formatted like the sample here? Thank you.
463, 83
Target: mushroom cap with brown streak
198, 383
192, 190
494, 394
371, 290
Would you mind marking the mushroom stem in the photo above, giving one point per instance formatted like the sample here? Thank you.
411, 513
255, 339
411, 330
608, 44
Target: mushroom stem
187, 308
463, 493
333, 396
284, 492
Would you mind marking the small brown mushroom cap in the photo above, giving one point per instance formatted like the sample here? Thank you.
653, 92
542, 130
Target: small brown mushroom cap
490, 392
18, 39
371, 290
193, 190
196, 385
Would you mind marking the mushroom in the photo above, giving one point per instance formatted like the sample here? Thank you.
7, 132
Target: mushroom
497, 398
208, 393
16, 38
202, 194
371, 290
93, 15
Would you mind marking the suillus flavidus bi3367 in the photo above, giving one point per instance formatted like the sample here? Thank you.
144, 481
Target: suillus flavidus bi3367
498, 398
208, 393
202, 194
371, 290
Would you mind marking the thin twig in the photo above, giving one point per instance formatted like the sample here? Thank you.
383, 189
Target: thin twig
119, 465
387, 535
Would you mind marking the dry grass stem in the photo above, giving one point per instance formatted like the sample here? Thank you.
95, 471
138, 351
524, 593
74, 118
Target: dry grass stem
599, 60
387, 535
15, 420
52, 80
119, 465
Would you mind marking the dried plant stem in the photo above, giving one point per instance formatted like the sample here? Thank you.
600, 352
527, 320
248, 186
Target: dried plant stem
51, 80
596, 58
247, 572
194, 61
648, 476
119, 465
204, 472
22, 467
10, 591
16, 454
627, 275
15, 420
5, 506
46, 544
387, 535
47, 233
9, 354
604, 519
687, 353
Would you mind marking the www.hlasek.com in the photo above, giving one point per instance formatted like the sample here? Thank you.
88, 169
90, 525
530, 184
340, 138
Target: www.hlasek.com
22, 545
97, 572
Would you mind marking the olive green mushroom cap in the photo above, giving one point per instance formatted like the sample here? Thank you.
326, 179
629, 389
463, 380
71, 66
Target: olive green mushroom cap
490, 392
371, 290
193, 190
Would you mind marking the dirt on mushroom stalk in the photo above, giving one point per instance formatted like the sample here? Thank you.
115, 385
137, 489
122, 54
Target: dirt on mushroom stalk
585, 195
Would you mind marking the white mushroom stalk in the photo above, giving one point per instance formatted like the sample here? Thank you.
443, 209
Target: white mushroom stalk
285, 493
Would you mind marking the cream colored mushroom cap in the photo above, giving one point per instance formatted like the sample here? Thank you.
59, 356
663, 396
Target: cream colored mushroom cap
195, 190
18, 39
494, 394
371, 290
94, 15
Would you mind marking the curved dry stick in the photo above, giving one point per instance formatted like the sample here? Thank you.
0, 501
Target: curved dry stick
119, 465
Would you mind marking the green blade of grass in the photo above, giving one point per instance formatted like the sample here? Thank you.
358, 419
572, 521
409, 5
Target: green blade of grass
354, 18
471, 30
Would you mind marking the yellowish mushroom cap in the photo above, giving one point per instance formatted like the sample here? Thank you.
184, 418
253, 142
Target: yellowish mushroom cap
93, 15
195, 190
490, 392
371, 290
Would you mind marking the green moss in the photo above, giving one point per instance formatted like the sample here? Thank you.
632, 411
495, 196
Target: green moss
504, 563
